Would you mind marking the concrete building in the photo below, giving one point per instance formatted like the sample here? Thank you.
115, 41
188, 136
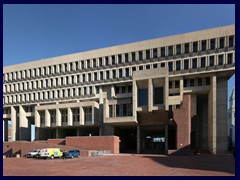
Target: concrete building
231, 118
156, 95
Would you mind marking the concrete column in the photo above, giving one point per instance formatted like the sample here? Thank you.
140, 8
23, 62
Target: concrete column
25, 129
150, 95
93, 119
166, 139
47, 118
58, 117
112, 91
212, 116
70, 116
138, 139
181, 87
134, 98
37, 119
193, 105
14, 123
166, 93
81, 114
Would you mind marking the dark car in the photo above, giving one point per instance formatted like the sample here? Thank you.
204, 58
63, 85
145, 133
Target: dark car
72, 153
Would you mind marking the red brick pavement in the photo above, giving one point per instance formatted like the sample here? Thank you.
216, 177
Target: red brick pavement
123, 165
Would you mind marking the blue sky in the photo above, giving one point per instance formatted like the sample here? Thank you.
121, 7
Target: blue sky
32, 32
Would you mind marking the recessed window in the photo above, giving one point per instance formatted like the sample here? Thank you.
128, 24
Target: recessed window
107, 75
170, 66
126, 57
231, 38
94, 63
186, 46
186, 64
113, 60
82, 64
162, 64
212, 44
100, 62
170, 50
142, 97
101, 75
191, 82
114, 73
194, 63
203, 61
140, 55
155, 55
123, 89
88, 63
207, 81
229, 58
158, 95
117, 90
148, 66
221, 42
134, 68
95, 76
211, 59
127, 72
199, 81
185, 83
204, 45
163, 52
177, 84
154, 65
147, 54
129, 89
119, 59
170, 85
140, 68
120, 73
178, 65
178, 49
220, 59
133, 56
106, 61
195, 46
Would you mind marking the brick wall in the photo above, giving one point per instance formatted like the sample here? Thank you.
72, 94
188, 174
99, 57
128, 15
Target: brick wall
95, 143
182, 117
56, 141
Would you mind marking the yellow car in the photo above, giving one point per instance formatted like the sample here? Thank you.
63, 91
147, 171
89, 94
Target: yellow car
51, 153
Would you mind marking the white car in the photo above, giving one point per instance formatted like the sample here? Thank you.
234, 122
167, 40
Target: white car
34, 153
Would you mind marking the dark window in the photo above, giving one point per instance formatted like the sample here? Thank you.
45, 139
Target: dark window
158, 95
194, 63
162, 51
170, 66
100, 61
170, 84
195, 46
204, 45
88, 63
176, 84
154, 65
117, 90
191, 82
147, 54
203, 61
186, 46
129, 89
82, 64
114, 73
185, 83
101, 75
120, 73
94, 62
95, 76
220, 59
127, 72
212, 44
155, 55
207, 81
211, 59
140, 68
83, 78
231, 38
97, 89
148, 66
186, 64
199, 81
133, 68
142, 97
107, 75
119, 59
178, 49
178, 65
106, 61
126, 57
113, 60
222, 42
133, 56
170, 50
140, 55
123, 89
162, 64
229, 58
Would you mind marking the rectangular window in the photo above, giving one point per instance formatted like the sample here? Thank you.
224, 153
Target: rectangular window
142, 97
212, 44
158, 95
207, 81
199, 81
186, 46
119, 59
177, 84
113, 60
127, 72
133, 56
170, 50
185, 83
100, 62
114, 73
106, 61
140, 55
140, 68
178, 49
163, 52
94, 63
178, 65
170, 84
220, 59
231, 39
129, 89
194, 63
107, 75
211, 59
126, 58
195, 46
147, 54
101, 75
82, 64
203, 62
204, 45
123, 89
191, 82
155, 65
95, 76
155, 55
186, 64
89, 77
162, 65
148, 66
88, 63
134, 68
222, 42
117, 90
229, 58
120, 73
170, 66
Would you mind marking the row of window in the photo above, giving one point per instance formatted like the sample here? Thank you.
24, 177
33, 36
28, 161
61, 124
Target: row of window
190, 82
210, 44
185, 64
120, 110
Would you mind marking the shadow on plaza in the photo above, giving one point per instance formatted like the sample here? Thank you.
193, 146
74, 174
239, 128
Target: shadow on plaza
200, 161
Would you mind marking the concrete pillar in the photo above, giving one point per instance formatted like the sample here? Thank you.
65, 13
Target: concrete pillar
24, 125
81, 115
134, 98
112, 91
138, 139
166, 93
150, 95
37, 119
222, 115
14, 123
93, 119
166, 139
193, 105
181, 87
212, 116
58, 117
47, 118
70, 117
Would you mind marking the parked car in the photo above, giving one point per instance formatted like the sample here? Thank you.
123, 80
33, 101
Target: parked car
51, 153
72, 153
34, 153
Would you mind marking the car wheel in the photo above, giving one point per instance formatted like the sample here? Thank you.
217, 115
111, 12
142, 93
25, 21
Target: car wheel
52, 157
